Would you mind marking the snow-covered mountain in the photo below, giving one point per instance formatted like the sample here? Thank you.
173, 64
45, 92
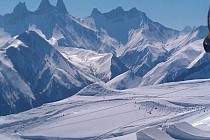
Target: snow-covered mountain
150, 45
145, 47
142, 40
33, 72
145, 43
188, 61
104, 66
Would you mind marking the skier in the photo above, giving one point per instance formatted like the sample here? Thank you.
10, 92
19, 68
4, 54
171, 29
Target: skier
206, 42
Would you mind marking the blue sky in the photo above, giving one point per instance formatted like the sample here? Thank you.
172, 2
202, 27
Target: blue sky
171, 13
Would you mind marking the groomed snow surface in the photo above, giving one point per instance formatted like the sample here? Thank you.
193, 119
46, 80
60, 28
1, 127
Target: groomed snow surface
162, 112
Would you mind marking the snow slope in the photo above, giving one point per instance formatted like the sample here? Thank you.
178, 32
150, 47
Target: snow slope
124, 81
4, 37
115, 115
184, 130
180, 131
153, 134
104, 66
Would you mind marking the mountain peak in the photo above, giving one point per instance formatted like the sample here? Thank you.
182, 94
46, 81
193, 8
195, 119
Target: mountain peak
60, 6
133, 11
119, 9
118, 12
29, 37
188, 29
44, 6
20, 10
95, 12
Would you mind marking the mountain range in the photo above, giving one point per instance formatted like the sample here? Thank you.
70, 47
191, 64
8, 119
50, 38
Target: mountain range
48, 54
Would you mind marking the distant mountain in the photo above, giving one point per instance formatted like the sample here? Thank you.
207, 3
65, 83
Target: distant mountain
56, 25
143, 39
146, 46
188, 29
33, 72
150, 44
117, 22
